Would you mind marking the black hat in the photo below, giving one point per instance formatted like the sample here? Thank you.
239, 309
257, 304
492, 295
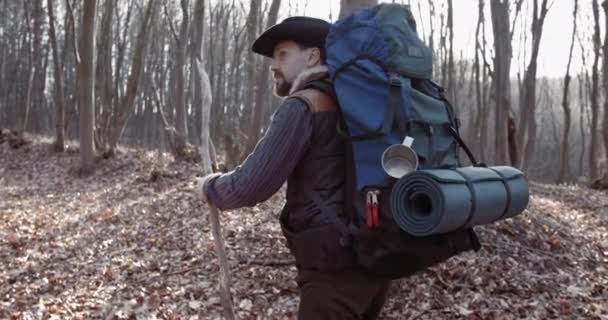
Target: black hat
303, 30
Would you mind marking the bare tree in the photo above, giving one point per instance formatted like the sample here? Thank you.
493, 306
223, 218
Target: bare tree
527, 121
347, 7
486, 74
127, 102
479, 84
442, 50
262, 79
40, 59
5, 56
181, 127
121, 48
59, 95
70, 60
202, 87
103, 88
250, 71
584, 91
502, 67
451, 85
432, 28
86, 89
34, 58
583, 109
566, 104
605, 86
597, 42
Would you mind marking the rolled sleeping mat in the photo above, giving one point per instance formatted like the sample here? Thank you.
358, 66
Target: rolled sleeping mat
427, 202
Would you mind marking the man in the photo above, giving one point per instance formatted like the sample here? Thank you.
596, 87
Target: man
302, 147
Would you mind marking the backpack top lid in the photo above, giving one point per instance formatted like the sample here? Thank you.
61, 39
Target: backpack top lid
385, 33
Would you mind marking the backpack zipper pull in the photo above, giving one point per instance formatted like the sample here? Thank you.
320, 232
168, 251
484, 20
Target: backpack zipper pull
369, 218
376, 221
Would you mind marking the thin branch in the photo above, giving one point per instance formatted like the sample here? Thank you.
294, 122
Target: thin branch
517, 11
170, 22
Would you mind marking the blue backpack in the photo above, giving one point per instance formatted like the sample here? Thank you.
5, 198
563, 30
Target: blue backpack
381, 73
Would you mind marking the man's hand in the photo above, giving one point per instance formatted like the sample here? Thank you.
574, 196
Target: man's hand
201, 186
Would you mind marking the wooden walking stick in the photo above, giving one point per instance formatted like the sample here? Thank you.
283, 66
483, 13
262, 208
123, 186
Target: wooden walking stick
214, 216
225, 281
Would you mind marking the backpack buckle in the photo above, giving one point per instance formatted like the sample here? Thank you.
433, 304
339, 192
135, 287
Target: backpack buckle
394, 79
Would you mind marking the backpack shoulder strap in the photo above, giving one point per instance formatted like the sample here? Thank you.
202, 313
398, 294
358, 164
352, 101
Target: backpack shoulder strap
322, 85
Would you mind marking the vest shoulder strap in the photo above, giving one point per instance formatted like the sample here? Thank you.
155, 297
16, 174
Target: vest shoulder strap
317, 100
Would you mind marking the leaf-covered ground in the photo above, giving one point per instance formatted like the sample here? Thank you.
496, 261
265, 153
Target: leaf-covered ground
132, 242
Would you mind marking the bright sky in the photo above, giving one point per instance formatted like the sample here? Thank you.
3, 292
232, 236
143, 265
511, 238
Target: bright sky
555, 41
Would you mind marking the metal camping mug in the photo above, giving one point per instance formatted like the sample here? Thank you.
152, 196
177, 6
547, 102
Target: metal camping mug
400, 159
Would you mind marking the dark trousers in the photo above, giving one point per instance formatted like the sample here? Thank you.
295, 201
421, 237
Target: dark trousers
344, 295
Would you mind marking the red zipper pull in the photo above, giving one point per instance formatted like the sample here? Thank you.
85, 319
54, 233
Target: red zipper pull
369, 218
376, 221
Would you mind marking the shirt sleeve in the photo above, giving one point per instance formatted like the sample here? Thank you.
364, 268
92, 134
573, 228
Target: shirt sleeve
269, 165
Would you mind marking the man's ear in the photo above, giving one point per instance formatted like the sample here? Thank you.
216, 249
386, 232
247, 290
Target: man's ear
314, 57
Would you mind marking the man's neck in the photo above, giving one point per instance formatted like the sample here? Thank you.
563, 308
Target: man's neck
313, 73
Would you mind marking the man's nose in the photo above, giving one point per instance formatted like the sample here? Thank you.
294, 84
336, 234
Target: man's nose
274, 66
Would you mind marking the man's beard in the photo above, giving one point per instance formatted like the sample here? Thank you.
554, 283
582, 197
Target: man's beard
281, 87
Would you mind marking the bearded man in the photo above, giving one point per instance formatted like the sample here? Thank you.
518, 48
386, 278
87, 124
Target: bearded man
301, 146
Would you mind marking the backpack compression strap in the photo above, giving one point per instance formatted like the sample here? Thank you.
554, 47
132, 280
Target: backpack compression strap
393, 114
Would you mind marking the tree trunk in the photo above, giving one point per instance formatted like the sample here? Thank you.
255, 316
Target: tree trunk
605, 79
181, 127
86, 89
443, 52
549, 103
477, 69
4, 57
485, 96
511, 133
528, 102
33, 53
582, 89
263, 80
70, 61
202, 87
563, 168
451, 72
197, 52
127, 103
120, 57
40, 55
59, 96
431, 26
595, 92
103, 85
42, 111
347, 7
250, 78
216, 114
502, 85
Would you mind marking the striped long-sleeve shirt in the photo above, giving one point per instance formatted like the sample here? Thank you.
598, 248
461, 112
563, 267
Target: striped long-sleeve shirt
269, 165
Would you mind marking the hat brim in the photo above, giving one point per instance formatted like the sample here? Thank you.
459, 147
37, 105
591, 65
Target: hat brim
301, 32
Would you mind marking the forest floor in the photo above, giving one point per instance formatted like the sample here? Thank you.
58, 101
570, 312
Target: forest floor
132, 242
